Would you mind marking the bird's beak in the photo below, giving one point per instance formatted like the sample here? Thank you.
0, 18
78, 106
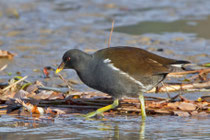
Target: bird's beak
60, 67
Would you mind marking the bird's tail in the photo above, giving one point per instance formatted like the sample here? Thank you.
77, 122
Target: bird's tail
180, 65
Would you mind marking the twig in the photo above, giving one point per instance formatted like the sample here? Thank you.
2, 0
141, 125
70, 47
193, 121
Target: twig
63, 90
163, 85
155, 98
3, 68
176, 87
110, 35
72, 106
65, 82
3, 106
189, 72
198, 90
20, 77
15, 83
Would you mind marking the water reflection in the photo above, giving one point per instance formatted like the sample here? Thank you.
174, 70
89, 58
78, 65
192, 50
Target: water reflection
117, 128
118, 134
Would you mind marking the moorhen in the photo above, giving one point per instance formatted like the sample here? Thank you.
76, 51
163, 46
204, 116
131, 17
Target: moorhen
120, 71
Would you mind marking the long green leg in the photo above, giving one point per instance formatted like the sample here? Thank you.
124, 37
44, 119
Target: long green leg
143, 112
103, 109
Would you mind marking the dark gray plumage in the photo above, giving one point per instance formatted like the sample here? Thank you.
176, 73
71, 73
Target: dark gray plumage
120, 71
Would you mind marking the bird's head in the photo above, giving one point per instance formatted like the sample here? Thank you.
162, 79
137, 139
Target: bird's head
71, 60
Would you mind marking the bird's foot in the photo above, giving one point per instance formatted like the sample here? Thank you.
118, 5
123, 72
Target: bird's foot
92, 114
100, 111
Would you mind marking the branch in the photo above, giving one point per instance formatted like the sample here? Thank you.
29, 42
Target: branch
189, 72
110, 35
177, 87
15, 83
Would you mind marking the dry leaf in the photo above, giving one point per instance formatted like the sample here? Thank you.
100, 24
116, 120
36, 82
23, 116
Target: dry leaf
181, 113
55, 111
193, 113
162, 111
203, 113
21, 94
187, 106
32, 88
6, 54
55, 96
31, 108
173, 105
44, 94
49, 95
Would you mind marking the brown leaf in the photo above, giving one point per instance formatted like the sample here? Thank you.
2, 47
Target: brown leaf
203, 113
187, 106
21, 94
44, 94
55, 111
202, 105
173, 105
56, 95
30, 107
49, 95
6, 54
2, 112
32, 88
162, 111
154, 105
194, 113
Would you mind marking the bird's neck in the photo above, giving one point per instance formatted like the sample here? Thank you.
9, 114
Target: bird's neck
83, 62
85, 67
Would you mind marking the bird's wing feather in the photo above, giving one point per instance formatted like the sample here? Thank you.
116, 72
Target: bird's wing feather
135, 62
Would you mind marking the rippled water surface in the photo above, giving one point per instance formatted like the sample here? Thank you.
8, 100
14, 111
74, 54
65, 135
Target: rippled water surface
119, 127
40, 31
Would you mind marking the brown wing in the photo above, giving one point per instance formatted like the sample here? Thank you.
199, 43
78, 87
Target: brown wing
136, 62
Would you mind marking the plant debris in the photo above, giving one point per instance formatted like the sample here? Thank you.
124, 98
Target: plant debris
6, 54
23, 97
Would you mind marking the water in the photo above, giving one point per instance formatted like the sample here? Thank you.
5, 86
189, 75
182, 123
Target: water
40, 31
198, 27
119, 127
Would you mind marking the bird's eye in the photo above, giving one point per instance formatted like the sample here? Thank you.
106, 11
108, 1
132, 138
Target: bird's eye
68, 59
